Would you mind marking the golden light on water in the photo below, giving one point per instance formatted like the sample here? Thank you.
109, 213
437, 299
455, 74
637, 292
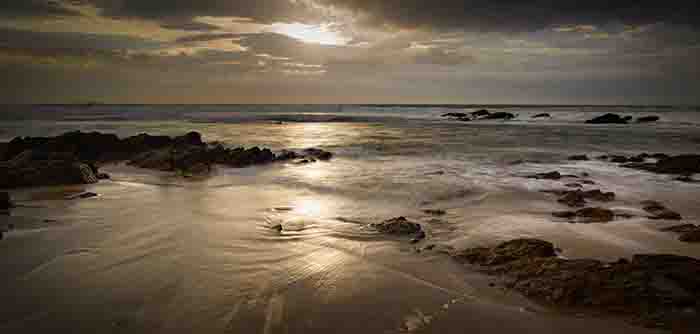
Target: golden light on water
318, 34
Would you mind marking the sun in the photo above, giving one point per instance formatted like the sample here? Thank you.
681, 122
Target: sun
318, 34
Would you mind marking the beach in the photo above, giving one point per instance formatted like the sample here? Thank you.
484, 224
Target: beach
156, 252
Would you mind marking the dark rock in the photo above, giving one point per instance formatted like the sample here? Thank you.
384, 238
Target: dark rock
627, 118
45, 172
690, 236
584, 174
619, 159
5, 201
398, 226
573, 199
681, 228
564, 214
644, 156
574, 185
659, 156
647, 119
499, 115
589, 182
582, 157
680, 164
286, 155
82, 195
646, 288
464, 119
304, 161
595, 215
435, 212
608, 119
480, 113
636, 159
686, 179
543, 115
318, 153
454, 114
507, 252
599, 196
602, 157
659, 211
190, 139
419, 236
546, 176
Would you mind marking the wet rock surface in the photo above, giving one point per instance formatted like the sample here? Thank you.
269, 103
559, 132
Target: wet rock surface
659, 211
647, 119
398, 226
652, 290
688, 232
72, 158
608, 119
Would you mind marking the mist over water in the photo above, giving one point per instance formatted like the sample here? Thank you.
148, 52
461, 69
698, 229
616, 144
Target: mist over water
159, 253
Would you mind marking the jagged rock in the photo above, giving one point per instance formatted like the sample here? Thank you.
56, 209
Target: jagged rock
499, 115
647, 119
608, 119
581, 157
543, 115
652, 289
659, 211
399, 226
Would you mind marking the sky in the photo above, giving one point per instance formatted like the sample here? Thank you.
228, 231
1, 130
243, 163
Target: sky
350, 51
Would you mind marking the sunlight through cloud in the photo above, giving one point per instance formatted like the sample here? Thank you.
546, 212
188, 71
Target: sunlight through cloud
318, 34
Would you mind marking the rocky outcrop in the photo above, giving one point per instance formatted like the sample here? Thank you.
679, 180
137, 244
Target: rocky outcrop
647, 119
659, 211
654, 290
42, 169
70, 157
398, 226
608, 119
499, 115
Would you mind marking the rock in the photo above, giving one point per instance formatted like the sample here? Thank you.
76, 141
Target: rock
286, 155
397, 226
480, 113
564, 214
507, 252
680, 164
636, 159
103, 176
690, 236
190, 139
618, 159
419, 237
82, 195
599, 196
659, 156
574, 185
318, 154
681, 228
647, 119
607, 119
543, 115
659, 211
647, 287
499, 115
464, 119
589, 182
546, 176
627, 118
435, 212
5, 201
582, 157
45, 173
595, 215
454, 114
573, 199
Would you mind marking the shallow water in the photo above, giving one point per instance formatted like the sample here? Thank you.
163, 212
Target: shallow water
157, 253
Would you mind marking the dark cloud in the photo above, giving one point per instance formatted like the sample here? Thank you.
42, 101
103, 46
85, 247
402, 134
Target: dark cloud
205, 37
517, 15
25, 39
34, 8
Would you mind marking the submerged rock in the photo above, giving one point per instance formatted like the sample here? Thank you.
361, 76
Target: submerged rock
608, 119
653, 289
595, 215
542, 115
398, 226
647, 119
454, 114
481, 113
573, 199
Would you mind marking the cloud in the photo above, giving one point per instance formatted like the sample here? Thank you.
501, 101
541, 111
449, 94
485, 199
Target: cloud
35, 8
206, 37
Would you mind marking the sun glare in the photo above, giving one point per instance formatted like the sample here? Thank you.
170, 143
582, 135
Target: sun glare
318, 34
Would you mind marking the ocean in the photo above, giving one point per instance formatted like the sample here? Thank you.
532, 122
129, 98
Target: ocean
158, 253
